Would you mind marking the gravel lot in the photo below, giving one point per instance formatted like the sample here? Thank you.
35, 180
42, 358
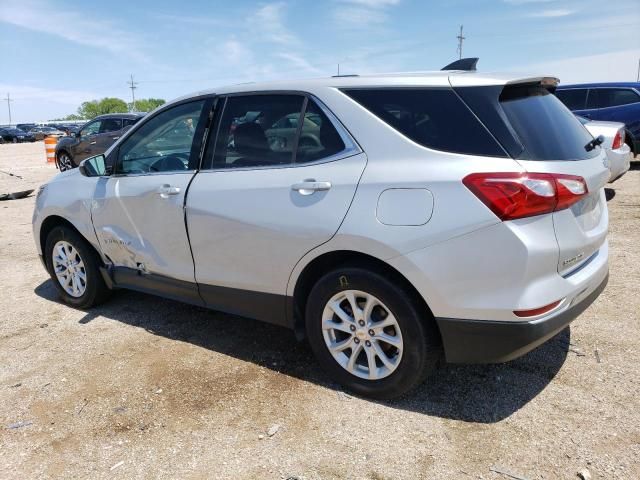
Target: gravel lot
144, 387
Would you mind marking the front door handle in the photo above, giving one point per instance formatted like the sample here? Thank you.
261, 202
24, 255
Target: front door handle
310, 186
115, 138
166, 190
92, 143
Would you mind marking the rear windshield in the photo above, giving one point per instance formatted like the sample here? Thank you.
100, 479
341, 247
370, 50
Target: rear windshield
434, 118
545, 127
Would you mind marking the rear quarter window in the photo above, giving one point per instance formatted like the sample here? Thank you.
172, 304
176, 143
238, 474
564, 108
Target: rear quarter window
432, 117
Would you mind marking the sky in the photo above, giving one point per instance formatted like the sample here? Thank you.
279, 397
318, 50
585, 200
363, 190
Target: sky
57, 54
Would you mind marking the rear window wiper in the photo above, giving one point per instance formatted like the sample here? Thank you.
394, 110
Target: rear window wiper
599, 140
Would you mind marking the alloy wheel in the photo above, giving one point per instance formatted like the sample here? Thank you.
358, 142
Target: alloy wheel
64, 162
362, 334
69, 268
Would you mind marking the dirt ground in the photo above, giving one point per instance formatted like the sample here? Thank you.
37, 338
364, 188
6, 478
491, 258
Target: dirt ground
143, 387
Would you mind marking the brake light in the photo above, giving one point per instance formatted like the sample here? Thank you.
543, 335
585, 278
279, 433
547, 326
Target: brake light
520, 195
618, 140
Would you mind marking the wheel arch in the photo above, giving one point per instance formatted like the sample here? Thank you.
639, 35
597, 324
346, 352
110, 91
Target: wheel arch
53, 221
329, 261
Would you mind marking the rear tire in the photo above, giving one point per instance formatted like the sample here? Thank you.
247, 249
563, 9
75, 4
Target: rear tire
74, 267
395, 327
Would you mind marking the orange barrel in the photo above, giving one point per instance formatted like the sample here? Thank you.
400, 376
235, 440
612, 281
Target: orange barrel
50, 147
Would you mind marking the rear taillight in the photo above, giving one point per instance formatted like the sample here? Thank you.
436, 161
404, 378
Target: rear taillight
618, 140
519, 195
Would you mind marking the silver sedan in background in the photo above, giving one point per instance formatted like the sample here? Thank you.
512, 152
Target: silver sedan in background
618, 152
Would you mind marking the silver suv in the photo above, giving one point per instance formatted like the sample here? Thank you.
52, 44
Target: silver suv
390, 219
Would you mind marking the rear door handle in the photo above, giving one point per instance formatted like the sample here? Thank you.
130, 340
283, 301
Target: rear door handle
310, 186
92, 143
166, 190
115, 138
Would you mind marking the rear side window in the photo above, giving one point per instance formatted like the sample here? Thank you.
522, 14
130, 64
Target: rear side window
127, 122
318, 137
257, 131
110, 125
545, 128
574, 99
433, 118
614, 97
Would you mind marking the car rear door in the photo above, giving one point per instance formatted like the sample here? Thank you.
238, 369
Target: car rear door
256, 208
138, 211
554, 141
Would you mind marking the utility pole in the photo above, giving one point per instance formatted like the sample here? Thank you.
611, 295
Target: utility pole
132, 86
460, 40
638, 76
8, 100
338, 69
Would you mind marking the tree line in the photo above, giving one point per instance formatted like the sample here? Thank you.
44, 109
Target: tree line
93, 108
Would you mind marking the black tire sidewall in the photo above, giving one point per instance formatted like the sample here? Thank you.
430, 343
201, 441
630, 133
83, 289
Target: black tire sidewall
420, 352
96, 288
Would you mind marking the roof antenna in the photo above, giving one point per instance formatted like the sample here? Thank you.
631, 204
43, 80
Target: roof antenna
466, 64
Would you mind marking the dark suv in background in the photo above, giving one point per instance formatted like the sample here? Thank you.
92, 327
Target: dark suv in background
94, 138
613, 102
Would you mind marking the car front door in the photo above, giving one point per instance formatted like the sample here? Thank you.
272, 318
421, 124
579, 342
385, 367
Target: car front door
260, 204
86, 141
138, 211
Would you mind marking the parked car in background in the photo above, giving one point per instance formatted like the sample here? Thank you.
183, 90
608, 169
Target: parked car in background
93, 138
388, 242
40, 132
26, 127
612, 102
618, 152
13, 135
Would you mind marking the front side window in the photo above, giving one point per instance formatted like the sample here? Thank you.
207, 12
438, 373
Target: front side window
574, 98
110, 125
432, 117
614, 97
257, 131
163, 144
91, 129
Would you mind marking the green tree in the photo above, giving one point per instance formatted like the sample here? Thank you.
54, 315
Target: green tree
100, 107
147, 104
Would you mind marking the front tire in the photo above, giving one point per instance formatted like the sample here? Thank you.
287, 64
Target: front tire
64, 161
369, 334
74, 268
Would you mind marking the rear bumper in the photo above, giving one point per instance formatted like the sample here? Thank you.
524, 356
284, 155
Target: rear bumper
483, 341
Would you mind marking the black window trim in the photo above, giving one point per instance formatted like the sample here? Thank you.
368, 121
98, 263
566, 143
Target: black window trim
351, 145
343, 90
113, 157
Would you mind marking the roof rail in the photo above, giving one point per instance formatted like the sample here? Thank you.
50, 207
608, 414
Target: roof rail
345, 75
467, 64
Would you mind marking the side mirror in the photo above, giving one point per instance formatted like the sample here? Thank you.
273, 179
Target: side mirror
93, 167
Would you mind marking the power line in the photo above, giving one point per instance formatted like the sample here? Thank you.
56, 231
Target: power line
133, 86
460, 40
8, 100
